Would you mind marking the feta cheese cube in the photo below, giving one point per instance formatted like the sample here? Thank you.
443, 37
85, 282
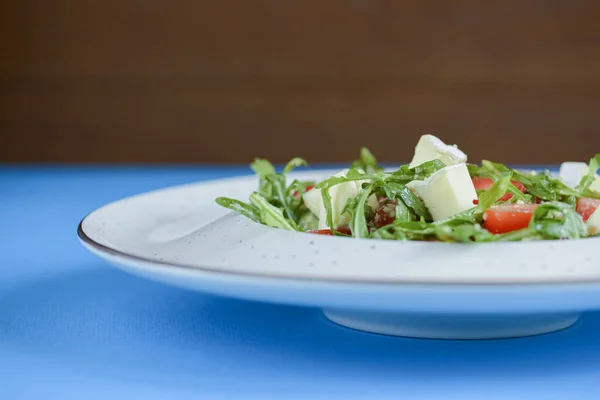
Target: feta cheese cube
339, 197
447, 192
571, 174
312, 200
431, 148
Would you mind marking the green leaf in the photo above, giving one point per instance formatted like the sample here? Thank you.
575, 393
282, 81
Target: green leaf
587, 180
358, 220
294, 163
476, 170
403, 213
463, 233
296, 201
282, 195
328, 207
558, 220
489, 197
352, 175
308, 221
271, 215
247, 210
413, 230
550, 221
265, 171
419, 173
541, 184
394, 190
273, 187
367, 161
413, 202
262, 167
518, 195
495, 169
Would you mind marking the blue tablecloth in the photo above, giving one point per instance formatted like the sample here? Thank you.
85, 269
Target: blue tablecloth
71, 327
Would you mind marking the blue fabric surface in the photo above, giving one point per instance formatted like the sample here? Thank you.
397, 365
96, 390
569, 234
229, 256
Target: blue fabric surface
71, 327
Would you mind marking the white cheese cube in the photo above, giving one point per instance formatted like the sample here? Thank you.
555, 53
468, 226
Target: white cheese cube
431, 148
593, 223
312, 200
447, 192
339, 197
411, 185
571, 174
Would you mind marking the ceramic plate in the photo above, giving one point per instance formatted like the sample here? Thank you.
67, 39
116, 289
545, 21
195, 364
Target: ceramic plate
180, 236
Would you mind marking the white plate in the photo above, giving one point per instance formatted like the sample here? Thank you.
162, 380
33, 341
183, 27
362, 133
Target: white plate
182, 237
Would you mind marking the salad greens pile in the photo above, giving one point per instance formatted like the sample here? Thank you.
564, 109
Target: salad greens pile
279, 203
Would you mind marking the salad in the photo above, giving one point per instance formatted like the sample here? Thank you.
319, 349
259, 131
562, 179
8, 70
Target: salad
437, 197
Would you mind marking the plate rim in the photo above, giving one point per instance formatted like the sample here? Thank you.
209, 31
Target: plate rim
113, 252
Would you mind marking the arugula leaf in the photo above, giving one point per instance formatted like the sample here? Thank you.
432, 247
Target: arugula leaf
544, 186
550, 221
394, 190
518, 195
419, 173
403, 213
412, 230
452, 230
415, 203
587, 180
367, 162
272, 186
294, 193
489, 197
294, 163
328, 207
247, 210
558, 220
282, 195
264, 169
352, 175
307, 221
271, 215
495, 171
358, 220
463, 233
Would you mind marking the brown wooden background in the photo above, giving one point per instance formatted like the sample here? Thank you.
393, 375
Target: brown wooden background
224, 81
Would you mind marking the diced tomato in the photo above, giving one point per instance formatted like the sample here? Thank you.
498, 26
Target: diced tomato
508, 217
341, 229
321, 232
486, 183
307, 189
385, 214
586, 207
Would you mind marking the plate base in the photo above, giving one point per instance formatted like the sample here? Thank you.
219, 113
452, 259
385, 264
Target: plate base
452, 326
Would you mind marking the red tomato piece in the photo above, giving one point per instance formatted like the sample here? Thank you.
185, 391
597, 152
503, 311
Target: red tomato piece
586, 207
486, 183
307, 189
341, 229
508, 217
321, 232
385, 214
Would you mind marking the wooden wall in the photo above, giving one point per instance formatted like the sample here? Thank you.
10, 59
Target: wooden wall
224, 81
